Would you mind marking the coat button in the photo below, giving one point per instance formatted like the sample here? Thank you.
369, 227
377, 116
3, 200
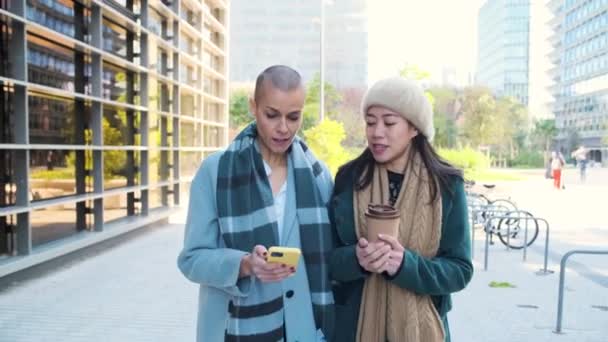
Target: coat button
289, 294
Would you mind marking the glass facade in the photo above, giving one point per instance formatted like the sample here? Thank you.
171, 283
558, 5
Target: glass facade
267, 32
106, 111
504, 33
580, 91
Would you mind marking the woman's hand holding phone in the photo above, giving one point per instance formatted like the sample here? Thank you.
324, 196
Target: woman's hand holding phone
255, 264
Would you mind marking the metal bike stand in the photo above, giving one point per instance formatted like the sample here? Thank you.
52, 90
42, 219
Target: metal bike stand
544, 270
562, 279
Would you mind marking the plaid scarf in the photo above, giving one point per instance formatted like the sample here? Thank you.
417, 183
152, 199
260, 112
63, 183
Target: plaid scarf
244, 195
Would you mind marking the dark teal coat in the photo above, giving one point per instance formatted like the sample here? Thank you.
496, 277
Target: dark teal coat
448, 272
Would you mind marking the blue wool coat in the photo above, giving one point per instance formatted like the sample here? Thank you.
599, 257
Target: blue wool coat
206, 261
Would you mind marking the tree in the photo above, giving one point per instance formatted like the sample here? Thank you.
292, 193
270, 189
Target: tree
479, 110
544, 133
446, 131
239, 109
446, 109
325, 140
512, 127
311, 111
349, 114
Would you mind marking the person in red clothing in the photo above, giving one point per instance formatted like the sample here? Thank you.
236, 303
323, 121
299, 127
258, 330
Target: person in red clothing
557, 164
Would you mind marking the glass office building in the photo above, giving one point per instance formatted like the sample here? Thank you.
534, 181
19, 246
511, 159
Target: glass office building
503, 48
580, 75
267, 32
107, 108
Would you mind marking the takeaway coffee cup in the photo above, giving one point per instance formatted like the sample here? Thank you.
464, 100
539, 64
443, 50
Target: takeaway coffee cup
381, 219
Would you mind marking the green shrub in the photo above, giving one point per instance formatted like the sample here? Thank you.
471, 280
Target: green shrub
527, 159
466, 159
325, 141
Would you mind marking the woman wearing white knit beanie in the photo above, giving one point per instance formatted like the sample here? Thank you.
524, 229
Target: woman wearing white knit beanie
396, 287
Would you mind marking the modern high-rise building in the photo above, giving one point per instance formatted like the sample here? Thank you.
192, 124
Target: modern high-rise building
580, 75
503, 45
267, 32
107, 108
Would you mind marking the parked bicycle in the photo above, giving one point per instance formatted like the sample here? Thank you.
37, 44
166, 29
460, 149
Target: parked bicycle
509, 224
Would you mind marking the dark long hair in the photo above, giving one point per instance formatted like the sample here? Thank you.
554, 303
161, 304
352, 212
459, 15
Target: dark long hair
439, 170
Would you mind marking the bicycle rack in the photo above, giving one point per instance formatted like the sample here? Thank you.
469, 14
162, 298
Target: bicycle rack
476, 209
544, 270
562, 279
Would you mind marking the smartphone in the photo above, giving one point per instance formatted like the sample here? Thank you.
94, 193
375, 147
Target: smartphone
284, 255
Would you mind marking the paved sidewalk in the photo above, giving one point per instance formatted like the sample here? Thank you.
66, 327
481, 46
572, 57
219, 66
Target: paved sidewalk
127, 291
528, 311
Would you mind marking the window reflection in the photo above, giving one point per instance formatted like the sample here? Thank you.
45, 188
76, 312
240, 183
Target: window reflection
8, 185
158, 166
212, 87
159, 95
155, 21
189, 15
213, 136
66, 17
188, 104
153, 130
57, 120
188, 75
188, 44
190, 134
213, 112
57, 66
5, 37
154, 166
118, 40
7, 124
166, 131
53, 223
189, 163
119, 126
58, 173
8, 238
121, 169
117, 81
121, 206
159, 197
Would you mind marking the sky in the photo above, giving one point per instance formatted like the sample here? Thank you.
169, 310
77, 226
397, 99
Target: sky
438, 34
431, 34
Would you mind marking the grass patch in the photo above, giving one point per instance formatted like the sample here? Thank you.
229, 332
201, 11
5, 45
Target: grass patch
53, 174
501, 284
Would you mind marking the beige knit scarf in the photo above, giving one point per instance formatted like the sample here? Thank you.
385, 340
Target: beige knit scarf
389, 312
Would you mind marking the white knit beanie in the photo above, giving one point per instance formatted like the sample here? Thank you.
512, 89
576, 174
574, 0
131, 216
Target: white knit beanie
404, 97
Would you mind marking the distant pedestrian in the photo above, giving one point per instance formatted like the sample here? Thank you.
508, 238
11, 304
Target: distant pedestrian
557, 164
580, 155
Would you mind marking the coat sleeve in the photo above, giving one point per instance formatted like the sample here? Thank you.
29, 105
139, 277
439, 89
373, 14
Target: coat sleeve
451, 270
202, 259
343, 263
